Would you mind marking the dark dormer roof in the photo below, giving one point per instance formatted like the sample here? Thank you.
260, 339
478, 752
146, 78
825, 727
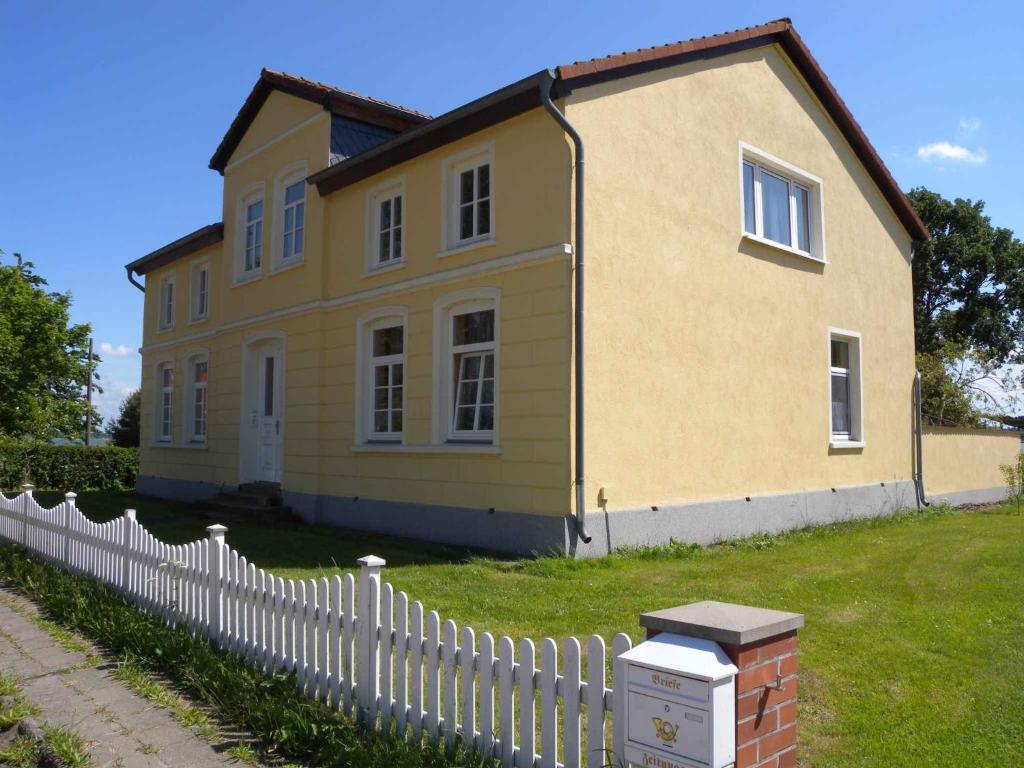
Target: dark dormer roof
350, 137
338, 101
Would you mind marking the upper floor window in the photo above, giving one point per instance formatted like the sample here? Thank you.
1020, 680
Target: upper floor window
781, 204
846, 422
198, 373
470, 192
200, 286
294, 219
165, 402
166, 302
389, 229
253, 236
249, 225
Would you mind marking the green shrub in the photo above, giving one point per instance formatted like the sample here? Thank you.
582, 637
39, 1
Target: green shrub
1013, 474
67, 467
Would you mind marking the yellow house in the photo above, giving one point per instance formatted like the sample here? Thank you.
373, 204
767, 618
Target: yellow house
389, 324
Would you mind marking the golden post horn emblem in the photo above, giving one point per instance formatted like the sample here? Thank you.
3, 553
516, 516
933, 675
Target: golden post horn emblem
666, 731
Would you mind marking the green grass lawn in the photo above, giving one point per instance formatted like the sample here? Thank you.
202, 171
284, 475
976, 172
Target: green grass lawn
913, 651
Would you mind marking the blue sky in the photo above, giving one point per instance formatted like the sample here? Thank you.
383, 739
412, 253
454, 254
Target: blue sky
110, 111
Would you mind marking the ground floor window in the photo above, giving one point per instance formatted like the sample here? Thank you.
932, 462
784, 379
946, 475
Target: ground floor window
845, 417
165, 402
473, 375
197, 425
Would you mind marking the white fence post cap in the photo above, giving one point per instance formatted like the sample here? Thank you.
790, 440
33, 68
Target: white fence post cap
216, 531
129, 514
372, 561
28, 487
70, 497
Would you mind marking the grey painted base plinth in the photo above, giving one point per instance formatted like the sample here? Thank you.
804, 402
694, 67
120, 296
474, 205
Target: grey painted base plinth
173, 488
979, 496
526, 534
707, 522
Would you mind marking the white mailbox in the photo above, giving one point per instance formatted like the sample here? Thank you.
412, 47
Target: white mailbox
680, 704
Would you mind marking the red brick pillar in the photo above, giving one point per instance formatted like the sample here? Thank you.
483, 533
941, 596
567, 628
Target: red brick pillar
762, 644
766, 688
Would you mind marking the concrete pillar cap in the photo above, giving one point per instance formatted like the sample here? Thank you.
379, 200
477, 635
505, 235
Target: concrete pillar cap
725, 623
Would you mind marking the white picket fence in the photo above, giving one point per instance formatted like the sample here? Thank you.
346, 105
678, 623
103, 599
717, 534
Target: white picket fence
383, 659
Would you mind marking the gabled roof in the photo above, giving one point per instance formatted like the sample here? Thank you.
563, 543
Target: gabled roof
183, 246
524, 95
335, 100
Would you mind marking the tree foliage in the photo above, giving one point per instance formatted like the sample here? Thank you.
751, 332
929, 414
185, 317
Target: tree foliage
43, 358
968, 310
968, 280
125, 430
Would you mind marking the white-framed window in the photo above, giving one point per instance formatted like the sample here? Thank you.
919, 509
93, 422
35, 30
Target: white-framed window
198, 374
466, 368
164, 402
469, 191
381, 375
294, 219
200, 290
846, 423
249, 243
166, 320
386, 382
386, 229
781, 205
289, 216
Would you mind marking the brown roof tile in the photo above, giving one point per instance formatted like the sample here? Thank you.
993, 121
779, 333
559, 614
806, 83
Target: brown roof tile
336, 100
781, 32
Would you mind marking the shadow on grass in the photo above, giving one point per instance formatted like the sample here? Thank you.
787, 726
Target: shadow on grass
287, 544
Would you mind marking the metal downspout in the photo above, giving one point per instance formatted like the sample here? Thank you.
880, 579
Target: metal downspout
919, 421
133, 281
547, 81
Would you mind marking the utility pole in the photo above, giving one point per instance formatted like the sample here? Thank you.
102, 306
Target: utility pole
88, 397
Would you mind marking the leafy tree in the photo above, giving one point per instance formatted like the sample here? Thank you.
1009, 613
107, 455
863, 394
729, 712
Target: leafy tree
959, 386
125, 430
968, 280
44, 359
968, 309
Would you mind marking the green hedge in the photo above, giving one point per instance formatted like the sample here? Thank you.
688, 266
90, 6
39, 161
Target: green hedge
67, 467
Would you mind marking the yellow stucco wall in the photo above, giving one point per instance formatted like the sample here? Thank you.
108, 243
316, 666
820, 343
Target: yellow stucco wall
315, 308
707, 354
966, 459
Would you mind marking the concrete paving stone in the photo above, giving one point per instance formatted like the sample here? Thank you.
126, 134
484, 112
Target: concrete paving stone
119, 725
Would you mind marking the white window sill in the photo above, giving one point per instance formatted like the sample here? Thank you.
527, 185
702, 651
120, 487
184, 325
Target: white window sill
783, 247
391, 266
284, 266
847, 445
165, 329
247, 278
198, 320
191, 446
449, 448
471, 245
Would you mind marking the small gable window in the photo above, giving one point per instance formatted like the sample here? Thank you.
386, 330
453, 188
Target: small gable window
781, 204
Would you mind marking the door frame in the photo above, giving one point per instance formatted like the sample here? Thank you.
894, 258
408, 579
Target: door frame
251, 388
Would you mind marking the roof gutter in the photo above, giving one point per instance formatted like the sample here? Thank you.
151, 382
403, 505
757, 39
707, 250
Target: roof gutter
132, 280
547, 81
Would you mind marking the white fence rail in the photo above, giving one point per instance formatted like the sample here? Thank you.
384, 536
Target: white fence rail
383, 659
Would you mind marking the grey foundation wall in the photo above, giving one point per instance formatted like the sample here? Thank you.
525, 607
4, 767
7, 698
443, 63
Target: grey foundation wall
703, 522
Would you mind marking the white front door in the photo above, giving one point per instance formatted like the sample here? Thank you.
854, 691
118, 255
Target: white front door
268, 422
